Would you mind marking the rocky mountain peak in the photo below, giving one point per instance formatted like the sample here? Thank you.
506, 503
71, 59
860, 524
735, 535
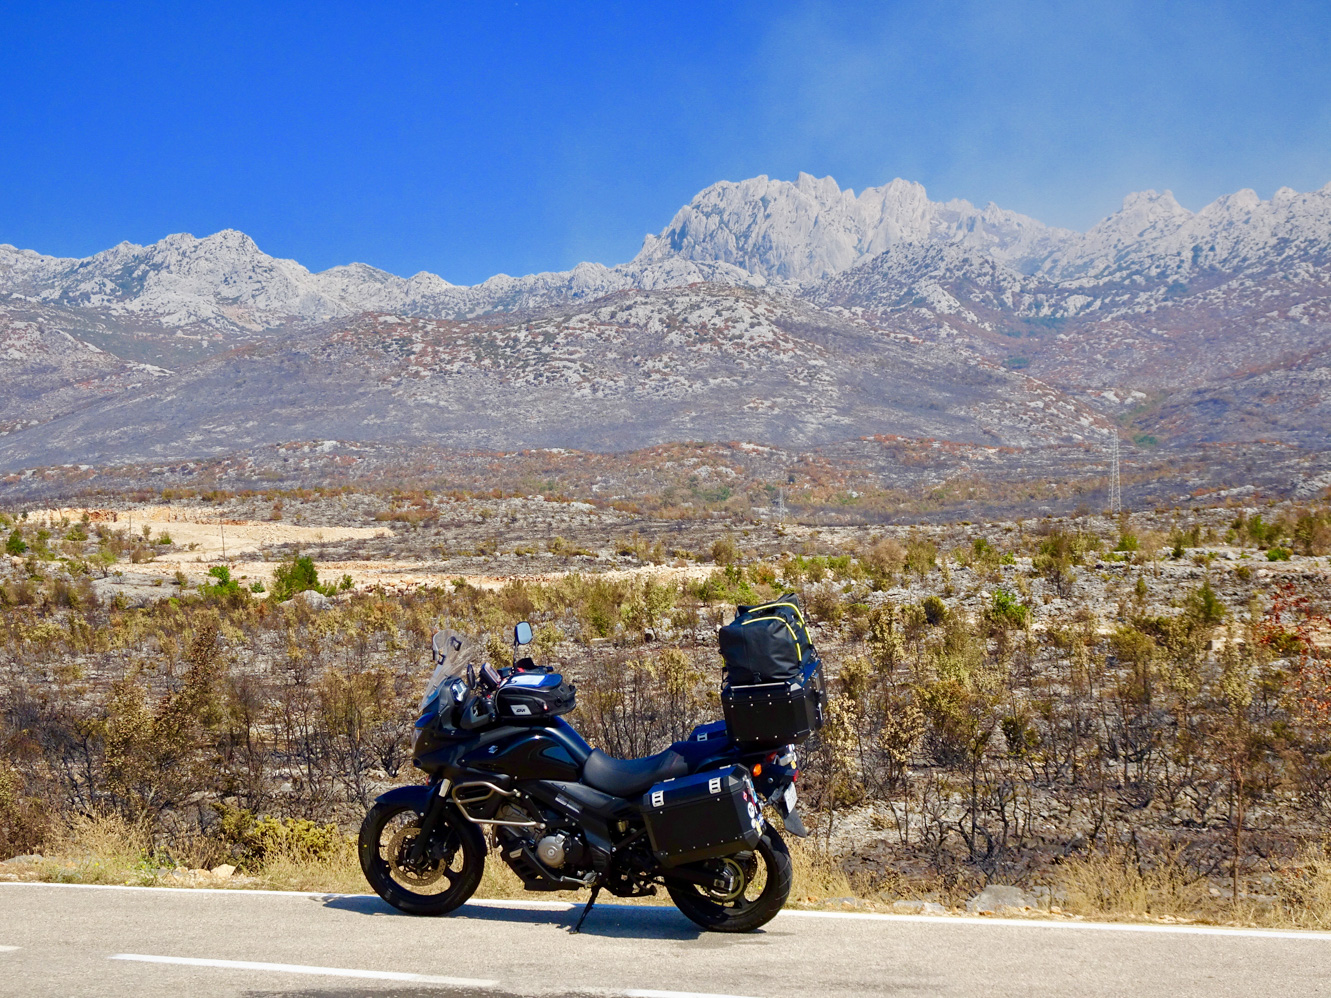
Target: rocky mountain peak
811, 229
796, 236
1144, 213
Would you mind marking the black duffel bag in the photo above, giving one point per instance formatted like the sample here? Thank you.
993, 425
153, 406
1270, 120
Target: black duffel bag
766, 643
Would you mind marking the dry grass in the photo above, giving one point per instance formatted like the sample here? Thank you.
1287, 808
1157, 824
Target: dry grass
1114, 884
1107, 885
1304, 889
109, 850
817, 878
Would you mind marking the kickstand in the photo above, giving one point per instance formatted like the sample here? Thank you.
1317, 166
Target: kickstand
587, 910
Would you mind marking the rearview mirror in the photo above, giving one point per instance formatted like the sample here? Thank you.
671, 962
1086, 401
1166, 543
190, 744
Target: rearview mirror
522, 634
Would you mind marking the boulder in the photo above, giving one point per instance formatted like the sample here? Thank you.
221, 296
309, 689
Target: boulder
314, 600
998, 898
224, 871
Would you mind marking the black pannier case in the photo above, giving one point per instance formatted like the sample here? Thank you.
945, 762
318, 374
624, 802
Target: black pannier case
772, 690
531, 697
768, 715
704, 816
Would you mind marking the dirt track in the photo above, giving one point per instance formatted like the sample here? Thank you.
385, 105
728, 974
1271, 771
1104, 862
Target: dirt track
208, 539
214, 537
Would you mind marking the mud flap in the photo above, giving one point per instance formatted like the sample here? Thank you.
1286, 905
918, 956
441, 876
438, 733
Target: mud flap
794, 825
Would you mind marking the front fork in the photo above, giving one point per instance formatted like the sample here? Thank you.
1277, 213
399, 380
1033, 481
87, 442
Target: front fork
434, 812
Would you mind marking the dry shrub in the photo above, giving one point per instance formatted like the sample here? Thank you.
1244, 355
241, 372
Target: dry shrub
23, 820
1304, 888
885, 556
824, 603
1115, 883
725, 551
108, 849
817, 876
101, 849
334, 868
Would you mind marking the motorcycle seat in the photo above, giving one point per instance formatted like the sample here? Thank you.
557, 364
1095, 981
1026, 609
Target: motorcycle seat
630, 777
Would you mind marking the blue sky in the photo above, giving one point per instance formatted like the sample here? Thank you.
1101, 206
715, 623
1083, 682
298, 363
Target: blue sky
471, 139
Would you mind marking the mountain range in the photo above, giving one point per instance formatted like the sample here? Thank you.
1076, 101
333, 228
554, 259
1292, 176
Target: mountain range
792, 313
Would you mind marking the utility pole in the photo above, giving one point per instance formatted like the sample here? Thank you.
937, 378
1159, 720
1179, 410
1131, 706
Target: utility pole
1115, 487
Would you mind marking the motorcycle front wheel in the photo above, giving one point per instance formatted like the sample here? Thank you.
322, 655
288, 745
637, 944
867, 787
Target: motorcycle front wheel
446, 875
761, 891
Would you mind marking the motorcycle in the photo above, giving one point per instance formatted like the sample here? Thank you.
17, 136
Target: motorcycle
562, 815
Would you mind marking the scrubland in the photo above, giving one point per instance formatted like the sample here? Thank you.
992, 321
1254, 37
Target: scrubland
1124, 716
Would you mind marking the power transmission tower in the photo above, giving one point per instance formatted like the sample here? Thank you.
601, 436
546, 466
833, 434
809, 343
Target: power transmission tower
780, 506
1115, 487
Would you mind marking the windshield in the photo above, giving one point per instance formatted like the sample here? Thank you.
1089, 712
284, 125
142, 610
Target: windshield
452, 653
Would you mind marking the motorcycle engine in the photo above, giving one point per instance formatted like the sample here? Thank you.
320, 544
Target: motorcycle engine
560, 848
557, 849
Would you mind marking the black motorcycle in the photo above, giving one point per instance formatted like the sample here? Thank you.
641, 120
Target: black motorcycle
563, 815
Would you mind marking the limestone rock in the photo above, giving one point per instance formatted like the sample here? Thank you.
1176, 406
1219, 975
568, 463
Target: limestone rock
314, 600
998, 898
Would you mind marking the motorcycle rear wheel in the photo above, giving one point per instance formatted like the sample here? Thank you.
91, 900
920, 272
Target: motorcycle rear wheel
767, 880
447, 877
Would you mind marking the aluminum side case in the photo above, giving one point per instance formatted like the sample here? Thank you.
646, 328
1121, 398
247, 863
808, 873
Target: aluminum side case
704, 816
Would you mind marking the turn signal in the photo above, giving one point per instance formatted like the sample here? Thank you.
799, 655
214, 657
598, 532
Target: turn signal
758, 769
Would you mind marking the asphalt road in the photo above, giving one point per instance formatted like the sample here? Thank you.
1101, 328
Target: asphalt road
77, 941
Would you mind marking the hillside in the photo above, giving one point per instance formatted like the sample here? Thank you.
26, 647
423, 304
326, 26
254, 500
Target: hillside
631, 370
796, 314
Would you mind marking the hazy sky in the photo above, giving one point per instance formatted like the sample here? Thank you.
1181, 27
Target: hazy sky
470, 139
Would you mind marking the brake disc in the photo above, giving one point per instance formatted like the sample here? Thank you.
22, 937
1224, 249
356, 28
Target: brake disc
738, 881
398, 847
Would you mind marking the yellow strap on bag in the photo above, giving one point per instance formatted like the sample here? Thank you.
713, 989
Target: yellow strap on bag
808, 641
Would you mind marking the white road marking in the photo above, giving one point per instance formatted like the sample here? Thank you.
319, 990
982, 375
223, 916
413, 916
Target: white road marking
648, 993
7, 949
1028, 923
1043, 923
295, 968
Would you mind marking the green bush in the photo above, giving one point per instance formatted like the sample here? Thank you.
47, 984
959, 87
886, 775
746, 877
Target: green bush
15, 545
1006, 612
1278, 554
1205, 606
296, 576
921, 556
255, 840
225, 586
